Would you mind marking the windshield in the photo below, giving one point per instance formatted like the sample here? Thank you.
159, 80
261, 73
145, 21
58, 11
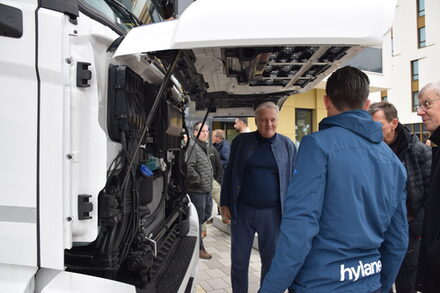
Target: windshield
127, 13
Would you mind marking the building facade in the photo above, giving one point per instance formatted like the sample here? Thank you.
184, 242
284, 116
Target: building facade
409, 60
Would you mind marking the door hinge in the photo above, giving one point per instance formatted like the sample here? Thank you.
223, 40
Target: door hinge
83, 74
84, 207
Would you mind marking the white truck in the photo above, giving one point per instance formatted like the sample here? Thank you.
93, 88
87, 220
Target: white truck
93, 107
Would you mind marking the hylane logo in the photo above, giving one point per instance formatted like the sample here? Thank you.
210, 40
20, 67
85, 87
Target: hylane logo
362, 270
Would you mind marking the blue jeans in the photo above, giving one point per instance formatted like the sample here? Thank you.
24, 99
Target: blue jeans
266, 222
377, 291
199, 200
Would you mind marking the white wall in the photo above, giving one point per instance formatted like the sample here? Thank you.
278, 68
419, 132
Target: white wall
406, 49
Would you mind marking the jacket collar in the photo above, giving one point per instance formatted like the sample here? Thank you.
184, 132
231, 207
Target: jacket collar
357, 121
435, 136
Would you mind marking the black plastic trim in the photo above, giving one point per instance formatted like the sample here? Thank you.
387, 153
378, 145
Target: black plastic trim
83, 74
11, 21
84, 207
69, 7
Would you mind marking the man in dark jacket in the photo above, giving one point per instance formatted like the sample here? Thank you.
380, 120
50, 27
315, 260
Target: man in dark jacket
416, 157
344, 226
222, 146
200, 176
217, 169
255, 182
428, 275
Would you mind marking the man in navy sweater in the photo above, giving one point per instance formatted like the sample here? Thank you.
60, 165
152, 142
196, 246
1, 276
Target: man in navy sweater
344, 226
260, 167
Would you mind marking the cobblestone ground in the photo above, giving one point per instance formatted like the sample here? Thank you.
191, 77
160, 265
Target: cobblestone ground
214, 274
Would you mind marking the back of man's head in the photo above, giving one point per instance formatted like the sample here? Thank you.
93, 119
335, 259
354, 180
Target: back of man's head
348, 88
244, 120
388, 109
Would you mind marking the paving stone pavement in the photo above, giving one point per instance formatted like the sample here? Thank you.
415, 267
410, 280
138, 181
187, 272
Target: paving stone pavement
214, 274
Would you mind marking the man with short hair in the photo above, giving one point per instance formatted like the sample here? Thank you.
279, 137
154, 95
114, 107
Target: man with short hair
241, 125
344, 225
200, 176
254, 184
222, 145
416, 157
223, 148
428, 276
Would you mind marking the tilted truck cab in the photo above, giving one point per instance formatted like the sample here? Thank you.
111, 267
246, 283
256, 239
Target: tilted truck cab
93, 172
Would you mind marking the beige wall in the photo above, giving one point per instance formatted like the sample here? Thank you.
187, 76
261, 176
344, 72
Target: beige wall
313, 99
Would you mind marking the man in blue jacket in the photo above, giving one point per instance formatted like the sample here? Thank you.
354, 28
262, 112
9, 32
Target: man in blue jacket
344, 226
255, 181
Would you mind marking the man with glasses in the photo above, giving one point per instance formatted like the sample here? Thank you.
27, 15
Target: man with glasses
416, 157
429, 263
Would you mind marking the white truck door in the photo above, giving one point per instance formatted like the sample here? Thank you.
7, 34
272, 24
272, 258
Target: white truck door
19, 136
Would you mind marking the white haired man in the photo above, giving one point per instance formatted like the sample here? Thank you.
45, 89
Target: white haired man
429, 263
259, 170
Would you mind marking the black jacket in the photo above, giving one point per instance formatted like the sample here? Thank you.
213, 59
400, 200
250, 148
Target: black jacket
416, 157
199, 169
217, 166
428, 275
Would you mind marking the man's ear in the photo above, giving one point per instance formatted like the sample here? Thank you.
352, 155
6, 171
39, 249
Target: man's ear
327, 102
394, 123
367, 104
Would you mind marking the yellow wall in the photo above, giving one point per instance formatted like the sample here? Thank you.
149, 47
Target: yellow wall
312, 99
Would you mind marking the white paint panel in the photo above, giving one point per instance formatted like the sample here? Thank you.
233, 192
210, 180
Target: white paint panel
278, 22
18, 244
18, 134
66, 282
18, 279
18, 115
51, 65
70, 127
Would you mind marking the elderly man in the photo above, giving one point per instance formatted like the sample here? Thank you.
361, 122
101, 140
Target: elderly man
221, 145
429, 263
344, 226
260, 167
416, 157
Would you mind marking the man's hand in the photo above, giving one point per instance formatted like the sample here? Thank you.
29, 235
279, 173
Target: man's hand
226, 212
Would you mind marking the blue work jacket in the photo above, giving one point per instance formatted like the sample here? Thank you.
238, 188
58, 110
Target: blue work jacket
242, 148
344, 227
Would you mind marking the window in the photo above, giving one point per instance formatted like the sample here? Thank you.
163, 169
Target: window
420, 7
415, 70
414, 85
114, 13
419, 130
384, 96
421, 28
422, 37
303, 123
415, 100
